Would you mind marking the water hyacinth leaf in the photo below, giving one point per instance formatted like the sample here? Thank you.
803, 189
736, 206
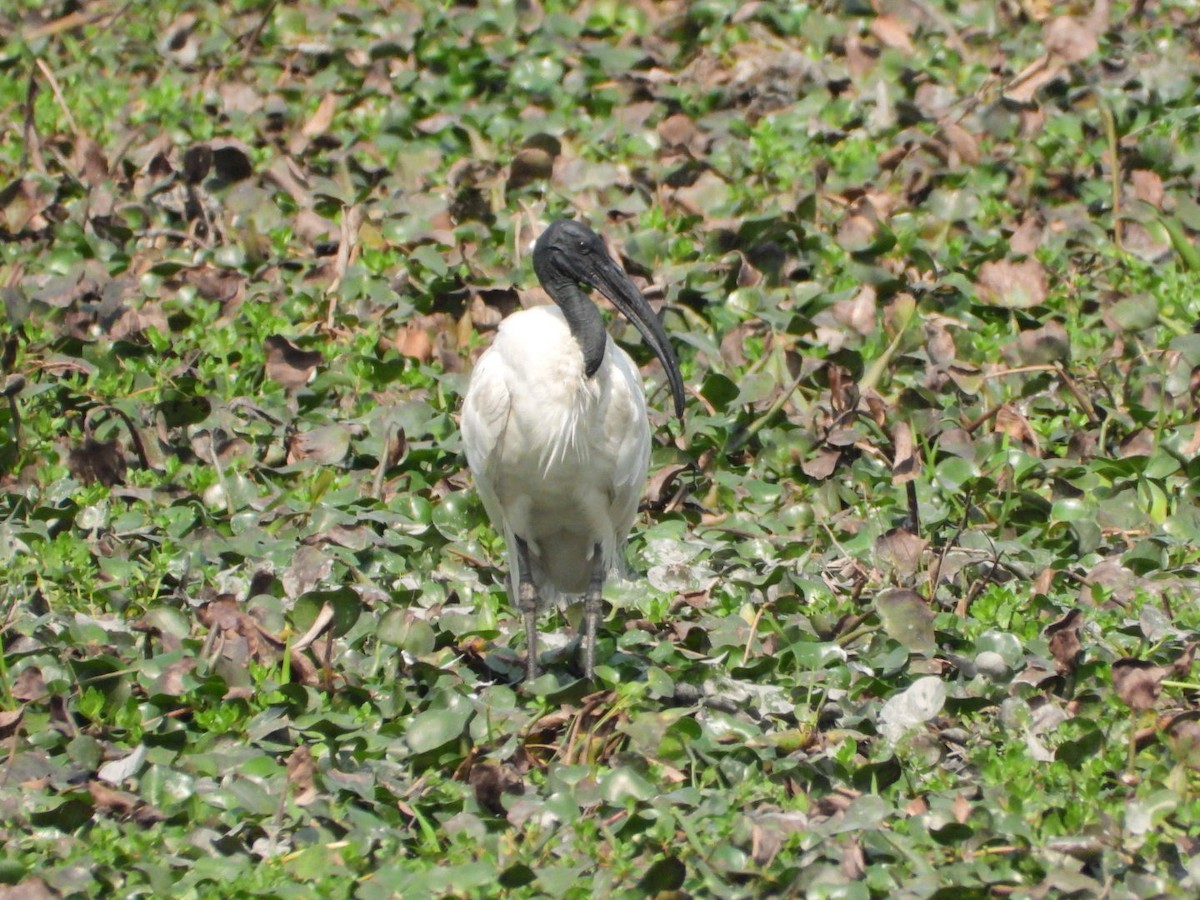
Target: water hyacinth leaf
912, 708
907, 618
400, 629
436, 727
345, 604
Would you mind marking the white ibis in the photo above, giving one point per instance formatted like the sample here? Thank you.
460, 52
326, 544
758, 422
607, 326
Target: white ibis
555, 429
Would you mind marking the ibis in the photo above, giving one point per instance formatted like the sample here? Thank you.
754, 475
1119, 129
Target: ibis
556, 435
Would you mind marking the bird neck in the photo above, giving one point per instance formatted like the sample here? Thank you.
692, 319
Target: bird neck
584, 321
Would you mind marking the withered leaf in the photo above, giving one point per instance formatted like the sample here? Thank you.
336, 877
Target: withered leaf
29, 889
326, 444
1009, 421
1148, 186
90, 161
1027, 237
962, 809
310, 567
1039, 346
661, 481
962, 142
288, 364
1013, 285
10, 719
1138, 682
1182, 667
322, 118
906, 465
301, 774
858, 312
414, 342
677, 131
110, 800
491, 781
892, 32
1069, 39
97, 461
939, 343
29, 686
821, 465
529, 165
907, 619
1064, 641
853, 863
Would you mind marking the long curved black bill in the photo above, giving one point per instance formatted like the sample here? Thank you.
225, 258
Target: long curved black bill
610, 279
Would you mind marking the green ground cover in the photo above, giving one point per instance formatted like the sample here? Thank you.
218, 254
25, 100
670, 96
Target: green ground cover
914, 605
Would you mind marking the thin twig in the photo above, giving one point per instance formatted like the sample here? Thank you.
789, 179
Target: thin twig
58, 94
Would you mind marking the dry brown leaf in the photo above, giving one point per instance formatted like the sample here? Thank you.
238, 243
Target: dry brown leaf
1138, 683
529, 165
326, 444
939, 343
1182, 667
309, 569
1064, 641
1140, 443
29, 686
906, 465
322, 118
962, 809
288, 364
97, 461
857, 230
1024, 87
1043, 582
1013, 285
823, 464
901, 549
677, 131
10, 719
1148, 187
301, 774
491, 782
858, 312
1027, 237
1040, 346
109, 800
29, 889
89, 161
414, 342
1069, 39
1016, 426
892, 32
170, 680
853, 864
962, 142
661, 482
23, 204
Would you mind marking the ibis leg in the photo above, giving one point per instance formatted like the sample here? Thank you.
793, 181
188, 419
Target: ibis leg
527, 599
591, 612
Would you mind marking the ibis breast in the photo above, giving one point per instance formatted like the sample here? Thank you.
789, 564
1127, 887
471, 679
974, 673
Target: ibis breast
559, 459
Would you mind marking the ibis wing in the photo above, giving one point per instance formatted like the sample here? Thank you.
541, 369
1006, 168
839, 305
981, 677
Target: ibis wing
632, 451
485, 416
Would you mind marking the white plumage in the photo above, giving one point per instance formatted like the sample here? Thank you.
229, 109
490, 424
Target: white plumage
560, 456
